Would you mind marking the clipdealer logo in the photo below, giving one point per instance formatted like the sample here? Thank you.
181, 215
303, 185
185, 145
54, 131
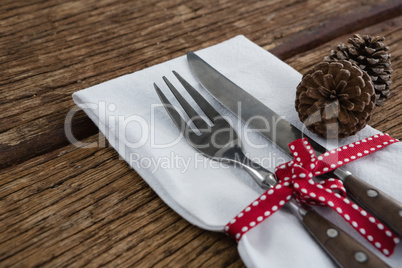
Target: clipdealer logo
127, 133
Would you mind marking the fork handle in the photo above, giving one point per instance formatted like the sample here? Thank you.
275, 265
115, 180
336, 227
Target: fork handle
264, 178
340, 246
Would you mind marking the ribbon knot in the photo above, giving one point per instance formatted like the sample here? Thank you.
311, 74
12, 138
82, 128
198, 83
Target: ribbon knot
303, 168
295, 179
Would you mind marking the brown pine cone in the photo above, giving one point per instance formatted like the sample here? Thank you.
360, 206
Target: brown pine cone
335, 99
372, 56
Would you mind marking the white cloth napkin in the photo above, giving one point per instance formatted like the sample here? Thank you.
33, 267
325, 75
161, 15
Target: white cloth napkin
208, 194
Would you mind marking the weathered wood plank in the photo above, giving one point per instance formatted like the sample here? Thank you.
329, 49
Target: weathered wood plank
84, 206
57, 48
331, 28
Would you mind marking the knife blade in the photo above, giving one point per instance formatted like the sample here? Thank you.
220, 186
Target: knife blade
281, 133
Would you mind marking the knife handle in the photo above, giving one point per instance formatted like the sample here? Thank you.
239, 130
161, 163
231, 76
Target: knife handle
341, 247
382, 206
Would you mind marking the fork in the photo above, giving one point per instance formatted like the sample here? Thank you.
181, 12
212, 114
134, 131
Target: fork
220, 142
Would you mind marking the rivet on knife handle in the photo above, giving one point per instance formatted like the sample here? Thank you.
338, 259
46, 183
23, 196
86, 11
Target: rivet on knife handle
340, 246
373, 200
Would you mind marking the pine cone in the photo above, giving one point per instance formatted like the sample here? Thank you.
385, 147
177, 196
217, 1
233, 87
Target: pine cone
335, 99
371, 55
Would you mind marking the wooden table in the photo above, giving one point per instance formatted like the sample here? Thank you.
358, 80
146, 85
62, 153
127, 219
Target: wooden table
67, 206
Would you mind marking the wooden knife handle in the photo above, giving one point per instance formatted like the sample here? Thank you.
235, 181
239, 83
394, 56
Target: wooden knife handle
342, 248
382, 206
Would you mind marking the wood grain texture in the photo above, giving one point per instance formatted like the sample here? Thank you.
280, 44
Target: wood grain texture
67, 206
328, 29
85, 207
50, 49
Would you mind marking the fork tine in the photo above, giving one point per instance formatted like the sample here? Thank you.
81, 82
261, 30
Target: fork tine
177, 119
207, 108
194, 116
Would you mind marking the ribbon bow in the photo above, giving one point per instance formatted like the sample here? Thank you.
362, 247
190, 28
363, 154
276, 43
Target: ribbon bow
295, 179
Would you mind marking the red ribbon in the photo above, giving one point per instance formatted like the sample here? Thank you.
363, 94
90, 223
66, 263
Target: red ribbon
295, 179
